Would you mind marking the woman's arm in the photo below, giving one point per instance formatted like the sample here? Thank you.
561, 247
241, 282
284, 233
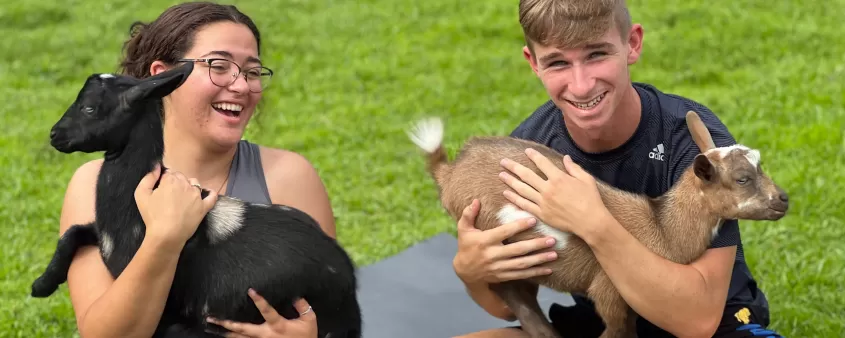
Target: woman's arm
293, 181
130, 306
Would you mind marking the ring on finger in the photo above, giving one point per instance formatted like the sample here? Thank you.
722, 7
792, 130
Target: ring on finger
306, 311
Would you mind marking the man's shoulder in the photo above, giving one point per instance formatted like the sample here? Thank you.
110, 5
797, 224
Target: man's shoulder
673, 110
541, 124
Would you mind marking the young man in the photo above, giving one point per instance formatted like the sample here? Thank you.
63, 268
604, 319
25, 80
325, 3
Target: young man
634, 137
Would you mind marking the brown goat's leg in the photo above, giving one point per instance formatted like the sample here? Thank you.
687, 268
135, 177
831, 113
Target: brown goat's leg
517, 295
612, 308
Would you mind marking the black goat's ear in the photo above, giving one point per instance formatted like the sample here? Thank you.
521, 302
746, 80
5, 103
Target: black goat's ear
160, 85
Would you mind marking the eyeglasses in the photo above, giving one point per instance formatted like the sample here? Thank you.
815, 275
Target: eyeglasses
224, 72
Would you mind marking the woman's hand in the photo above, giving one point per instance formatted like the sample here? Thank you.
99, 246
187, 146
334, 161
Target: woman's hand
482, 257
172, 212
274, 326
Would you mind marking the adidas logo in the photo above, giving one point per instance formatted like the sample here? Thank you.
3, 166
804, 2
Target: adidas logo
657, 153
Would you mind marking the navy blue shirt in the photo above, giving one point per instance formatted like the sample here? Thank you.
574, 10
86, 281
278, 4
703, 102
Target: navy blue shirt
650, 162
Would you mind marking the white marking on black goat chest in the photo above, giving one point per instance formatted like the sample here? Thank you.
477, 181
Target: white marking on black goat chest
106, 245
510, 213
225, 218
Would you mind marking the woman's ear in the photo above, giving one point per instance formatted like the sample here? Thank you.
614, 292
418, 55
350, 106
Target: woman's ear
157, 67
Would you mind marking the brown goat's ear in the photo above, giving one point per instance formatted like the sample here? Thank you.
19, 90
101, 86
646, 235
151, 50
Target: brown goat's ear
704, 169
699, 132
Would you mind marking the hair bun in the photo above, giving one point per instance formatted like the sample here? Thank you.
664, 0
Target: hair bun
136, 28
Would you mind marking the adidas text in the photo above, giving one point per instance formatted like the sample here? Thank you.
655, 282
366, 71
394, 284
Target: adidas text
657, 153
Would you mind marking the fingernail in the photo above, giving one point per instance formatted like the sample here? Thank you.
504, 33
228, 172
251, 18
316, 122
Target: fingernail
548, 271
503, 161
550, 241
211, 320
527, 224
552, 255
251, 292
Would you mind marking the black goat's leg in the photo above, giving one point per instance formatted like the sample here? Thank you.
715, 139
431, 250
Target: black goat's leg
524, 305
55, 274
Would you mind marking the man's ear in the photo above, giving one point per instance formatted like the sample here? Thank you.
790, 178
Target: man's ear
635, 43
704, 169
161, 84
526, 53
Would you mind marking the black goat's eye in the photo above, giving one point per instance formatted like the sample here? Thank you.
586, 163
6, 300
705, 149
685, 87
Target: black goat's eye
87, 110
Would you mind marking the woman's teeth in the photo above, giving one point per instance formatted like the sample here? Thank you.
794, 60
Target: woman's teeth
590, 104
228, 106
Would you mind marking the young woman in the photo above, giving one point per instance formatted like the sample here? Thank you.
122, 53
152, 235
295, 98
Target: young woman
204, 121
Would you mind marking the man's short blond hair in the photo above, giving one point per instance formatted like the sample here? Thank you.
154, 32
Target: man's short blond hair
571, 23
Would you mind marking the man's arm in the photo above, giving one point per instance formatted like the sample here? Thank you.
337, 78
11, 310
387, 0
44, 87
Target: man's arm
685, 300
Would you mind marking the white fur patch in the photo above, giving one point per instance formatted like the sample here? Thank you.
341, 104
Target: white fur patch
510, 213
106, 245
716, 229
752, 155
225, 218
106, 76
744, 204
427, 134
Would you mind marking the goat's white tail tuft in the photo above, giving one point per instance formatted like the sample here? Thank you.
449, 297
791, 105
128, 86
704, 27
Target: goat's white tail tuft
427, 134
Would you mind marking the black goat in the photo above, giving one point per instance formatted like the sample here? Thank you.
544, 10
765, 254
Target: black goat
279, 251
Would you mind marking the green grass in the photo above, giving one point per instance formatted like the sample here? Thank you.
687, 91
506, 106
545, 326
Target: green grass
351, 75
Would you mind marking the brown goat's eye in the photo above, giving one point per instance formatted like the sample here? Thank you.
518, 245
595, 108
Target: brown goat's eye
742, 181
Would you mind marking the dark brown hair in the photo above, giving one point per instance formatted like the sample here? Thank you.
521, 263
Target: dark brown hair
172, 34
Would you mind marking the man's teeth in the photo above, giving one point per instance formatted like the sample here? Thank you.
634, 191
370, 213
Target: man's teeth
228, 106
592, 103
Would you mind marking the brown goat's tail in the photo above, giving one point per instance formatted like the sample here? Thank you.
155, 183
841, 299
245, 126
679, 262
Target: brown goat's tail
428, 135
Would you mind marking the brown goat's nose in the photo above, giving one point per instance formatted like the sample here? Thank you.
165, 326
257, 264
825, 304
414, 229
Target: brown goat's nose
784, 197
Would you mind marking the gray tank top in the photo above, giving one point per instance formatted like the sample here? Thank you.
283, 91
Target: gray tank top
246, 177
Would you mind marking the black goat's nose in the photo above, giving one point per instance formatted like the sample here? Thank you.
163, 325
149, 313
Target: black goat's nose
52, 133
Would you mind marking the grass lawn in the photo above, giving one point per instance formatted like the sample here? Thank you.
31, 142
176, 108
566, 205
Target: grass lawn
351, 75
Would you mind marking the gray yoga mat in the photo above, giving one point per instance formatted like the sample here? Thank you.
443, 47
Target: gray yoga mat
415, 294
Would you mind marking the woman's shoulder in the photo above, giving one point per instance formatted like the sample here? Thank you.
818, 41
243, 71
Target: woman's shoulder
293, 180
78, 204
286, 165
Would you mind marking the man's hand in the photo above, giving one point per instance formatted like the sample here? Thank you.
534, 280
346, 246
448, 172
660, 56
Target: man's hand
482, 257
552, 200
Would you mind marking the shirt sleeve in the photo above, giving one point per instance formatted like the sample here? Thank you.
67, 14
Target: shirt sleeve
683, 154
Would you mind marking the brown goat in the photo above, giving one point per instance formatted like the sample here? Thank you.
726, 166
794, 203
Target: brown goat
722, 183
